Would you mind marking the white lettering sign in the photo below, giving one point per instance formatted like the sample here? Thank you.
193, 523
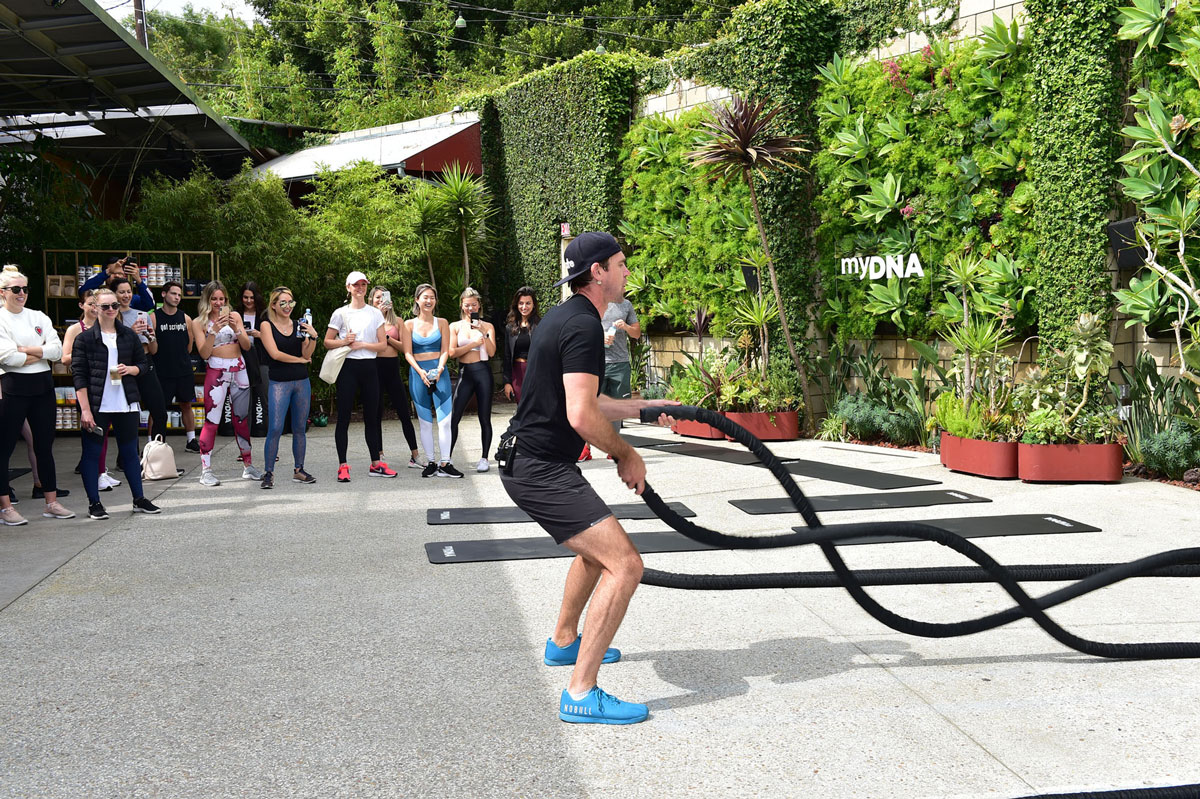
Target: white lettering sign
878, 267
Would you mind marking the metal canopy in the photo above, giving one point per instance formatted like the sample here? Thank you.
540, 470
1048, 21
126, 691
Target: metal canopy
72, 73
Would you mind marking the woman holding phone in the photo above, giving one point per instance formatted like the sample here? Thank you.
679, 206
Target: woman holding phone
427, 349
221, 338
289, 347
87, 305
388, 364
360, 327
473, 343
106, 360
150, 389
28, 343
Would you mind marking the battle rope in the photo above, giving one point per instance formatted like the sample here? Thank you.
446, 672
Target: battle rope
1174, 563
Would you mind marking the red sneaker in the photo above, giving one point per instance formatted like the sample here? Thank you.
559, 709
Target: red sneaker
344, 473
586, 455
381, 470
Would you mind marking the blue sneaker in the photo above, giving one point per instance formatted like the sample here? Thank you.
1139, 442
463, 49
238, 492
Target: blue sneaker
600, 707
566, 655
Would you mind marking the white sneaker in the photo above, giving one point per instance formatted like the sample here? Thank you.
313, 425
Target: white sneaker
482, 466
252, 472
55, 510
209, 479
10, 517
107, 483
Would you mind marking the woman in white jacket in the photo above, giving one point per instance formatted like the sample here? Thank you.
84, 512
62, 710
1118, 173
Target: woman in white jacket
28, 343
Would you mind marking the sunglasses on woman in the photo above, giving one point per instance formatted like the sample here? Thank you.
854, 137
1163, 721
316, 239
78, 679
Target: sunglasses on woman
108, 306
286, 303
19, 289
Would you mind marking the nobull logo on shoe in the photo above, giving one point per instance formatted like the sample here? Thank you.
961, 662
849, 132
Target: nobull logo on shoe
878, 267
577, 710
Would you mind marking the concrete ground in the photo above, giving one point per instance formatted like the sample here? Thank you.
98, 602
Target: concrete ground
297, 642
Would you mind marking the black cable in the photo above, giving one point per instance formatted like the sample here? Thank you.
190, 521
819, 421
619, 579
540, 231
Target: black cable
1179, 562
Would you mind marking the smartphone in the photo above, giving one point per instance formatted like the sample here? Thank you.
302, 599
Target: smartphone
385, 298
475, 316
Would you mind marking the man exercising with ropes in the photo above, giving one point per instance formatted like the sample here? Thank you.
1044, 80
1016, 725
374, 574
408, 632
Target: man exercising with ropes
561, 408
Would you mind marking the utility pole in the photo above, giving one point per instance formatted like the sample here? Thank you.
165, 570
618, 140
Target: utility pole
139, 22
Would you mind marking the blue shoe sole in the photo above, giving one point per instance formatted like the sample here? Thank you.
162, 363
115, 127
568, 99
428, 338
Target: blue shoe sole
570, 719
608, 658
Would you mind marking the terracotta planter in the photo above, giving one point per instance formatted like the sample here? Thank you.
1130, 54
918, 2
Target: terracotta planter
778, 426
984, 458
1070, 463
686, 427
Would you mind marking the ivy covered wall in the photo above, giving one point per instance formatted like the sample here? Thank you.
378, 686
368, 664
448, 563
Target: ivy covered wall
551, 145
1073, 164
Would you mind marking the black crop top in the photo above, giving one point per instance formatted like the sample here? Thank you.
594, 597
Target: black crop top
285, 372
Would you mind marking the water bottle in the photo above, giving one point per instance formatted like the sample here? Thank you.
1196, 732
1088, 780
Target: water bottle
307, 321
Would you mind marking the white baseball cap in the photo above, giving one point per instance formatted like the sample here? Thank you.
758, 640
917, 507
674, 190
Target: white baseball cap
355, 277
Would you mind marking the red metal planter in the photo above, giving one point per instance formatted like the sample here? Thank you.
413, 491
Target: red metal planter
984, 458
1070, 463
686, 427
778, 426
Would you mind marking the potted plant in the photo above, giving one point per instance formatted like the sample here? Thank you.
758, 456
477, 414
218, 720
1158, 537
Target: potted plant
767, 406
697, 382
1069, 436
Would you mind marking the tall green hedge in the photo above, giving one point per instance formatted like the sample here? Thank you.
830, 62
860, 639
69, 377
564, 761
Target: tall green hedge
772, 51
551, 145
1076, 94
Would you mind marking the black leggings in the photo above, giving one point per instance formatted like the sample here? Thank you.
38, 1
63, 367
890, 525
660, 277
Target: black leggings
153, 400
358, 375
474, 379
40, 410
391, 382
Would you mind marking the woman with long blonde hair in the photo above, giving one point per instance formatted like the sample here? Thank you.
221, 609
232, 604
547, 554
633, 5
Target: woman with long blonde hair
289, 347
473, 343
221, 338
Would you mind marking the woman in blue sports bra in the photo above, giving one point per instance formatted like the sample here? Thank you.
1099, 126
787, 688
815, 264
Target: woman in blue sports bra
428, 347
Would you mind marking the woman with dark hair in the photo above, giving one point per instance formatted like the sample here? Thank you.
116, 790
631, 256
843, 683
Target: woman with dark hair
254, 313
152, 399
388, 365
106, 360
427, 349
289, 345
523, 318
28, 343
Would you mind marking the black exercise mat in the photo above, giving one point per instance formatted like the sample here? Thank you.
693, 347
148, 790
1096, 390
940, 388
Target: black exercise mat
13, 474
891, 500
504, 515
669, 541
880, 481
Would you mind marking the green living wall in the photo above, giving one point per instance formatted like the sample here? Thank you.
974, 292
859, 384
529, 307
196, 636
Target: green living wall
1073, 163
926, 153
551, 150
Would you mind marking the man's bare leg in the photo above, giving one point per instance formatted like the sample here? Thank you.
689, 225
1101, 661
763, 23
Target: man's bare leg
581, 581
607, 545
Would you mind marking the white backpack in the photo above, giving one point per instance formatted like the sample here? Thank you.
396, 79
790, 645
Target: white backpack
158, 460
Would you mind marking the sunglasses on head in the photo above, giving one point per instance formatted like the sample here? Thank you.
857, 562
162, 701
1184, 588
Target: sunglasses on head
19, 289
108, 306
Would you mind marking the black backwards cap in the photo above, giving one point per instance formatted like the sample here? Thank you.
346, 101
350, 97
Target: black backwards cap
587, 249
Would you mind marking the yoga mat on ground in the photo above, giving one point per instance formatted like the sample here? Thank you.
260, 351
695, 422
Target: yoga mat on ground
505, 515
894, 499
13, 474
669, 541
880, 481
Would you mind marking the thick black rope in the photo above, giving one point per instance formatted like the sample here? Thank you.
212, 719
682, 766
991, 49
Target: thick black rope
1174, 563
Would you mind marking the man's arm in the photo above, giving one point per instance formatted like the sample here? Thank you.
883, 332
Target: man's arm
589, 415
142, 300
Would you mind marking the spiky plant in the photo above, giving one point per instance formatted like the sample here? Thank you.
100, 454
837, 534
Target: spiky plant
741, 147
469, 207
429, 221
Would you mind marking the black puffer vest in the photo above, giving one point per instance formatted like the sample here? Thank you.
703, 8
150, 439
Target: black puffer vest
89, 363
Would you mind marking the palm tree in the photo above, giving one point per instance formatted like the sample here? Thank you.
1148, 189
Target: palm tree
469, 207
740, 148
429, 221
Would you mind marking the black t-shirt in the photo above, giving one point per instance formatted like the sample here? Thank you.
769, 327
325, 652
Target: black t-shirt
569, 340
172, 358
278, 371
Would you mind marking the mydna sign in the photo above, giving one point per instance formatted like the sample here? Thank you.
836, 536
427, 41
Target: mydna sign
881, 267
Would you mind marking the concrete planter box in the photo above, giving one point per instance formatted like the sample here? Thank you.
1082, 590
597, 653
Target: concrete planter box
984, 458
778, 426
1070, 463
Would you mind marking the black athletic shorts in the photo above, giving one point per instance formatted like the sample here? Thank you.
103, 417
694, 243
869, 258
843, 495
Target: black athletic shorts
177, 389
555, 495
